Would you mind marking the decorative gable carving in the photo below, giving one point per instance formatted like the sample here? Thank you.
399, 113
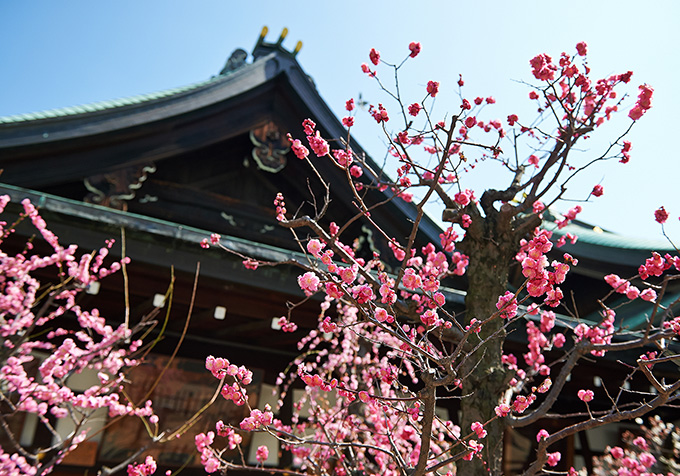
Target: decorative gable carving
270, 147
114, 189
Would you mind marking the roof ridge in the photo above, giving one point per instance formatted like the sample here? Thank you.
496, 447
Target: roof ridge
106, 104
234, 64
596, 236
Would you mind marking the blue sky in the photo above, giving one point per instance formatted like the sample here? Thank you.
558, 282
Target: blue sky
57, 54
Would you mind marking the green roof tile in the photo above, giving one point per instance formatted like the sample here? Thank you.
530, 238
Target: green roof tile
595, 236
104, 105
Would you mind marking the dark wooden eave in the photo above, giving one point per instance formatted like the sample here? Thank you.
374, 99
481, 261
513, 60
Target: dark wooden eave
41, 153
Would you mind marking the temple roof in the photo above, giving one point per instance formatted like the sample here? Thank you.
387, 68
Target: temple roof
237, 75
107, 116
172, 131
44, 154
40, 149
609, 247
102, 105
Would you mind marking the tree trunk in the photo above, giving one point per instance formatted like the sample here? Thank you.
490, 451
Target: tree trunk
490, 248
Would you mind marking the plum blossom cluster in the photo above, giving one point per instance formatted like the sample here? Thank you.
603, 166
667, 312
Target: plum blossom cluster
554, 458
570, 215
643, 104
316, 380
636, 460
321, 148
316, 142
233, 439
370, 378
147, 468
520, 403
220, 368
539, 341
241, 377
280, 205
213, 240
286, 325
379, 114
478, 428
42, 350
384, 321
541, 281
543, 68
652, 449
570, 87
209, 458
16, 465
257, 419
420, 281
507, 305
475, 449
343, 157
324, 414
598, 334
300, 151
623, 286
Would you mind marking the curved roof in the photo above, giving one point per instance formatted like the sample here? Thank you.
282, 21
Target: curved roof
606, 246
101, 105
106, 116
596, 236
29, 141
270, 60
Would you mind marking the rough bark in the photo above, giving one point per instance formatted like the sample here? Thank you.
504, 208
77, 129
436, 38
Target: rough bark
490, 245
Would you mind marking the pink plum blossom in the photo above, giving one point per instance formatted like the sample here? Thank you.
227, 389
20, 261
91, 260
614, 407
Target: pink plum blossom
661, 215
309, 282
581, 48
374, 56
586, 395
262, 454
432, 88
